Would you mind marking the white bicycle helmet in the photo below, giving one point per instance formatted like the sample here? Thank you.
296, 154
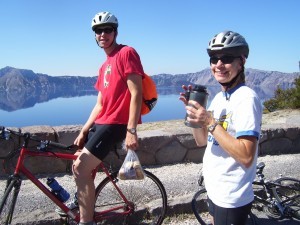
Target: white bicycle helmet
104, 18
228, 42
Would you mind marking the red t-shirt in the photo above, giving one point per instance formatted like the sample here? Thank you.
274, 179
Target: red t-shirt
114, 90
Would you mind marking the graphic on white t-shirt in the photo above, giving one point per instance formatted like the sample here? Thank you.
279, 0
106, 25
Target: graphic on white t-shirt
223, 121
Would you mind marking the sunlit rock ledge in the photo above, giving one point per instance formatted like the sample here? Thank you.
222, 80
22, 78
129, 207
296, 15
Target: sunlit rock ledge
165, 142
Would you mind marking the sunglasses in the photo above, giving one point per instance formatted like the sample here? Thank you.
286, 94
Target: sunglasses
226, 59
106, 30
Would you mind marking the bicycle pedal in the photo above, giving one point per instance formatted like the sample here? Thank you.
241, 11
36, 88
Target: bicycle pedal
64, 221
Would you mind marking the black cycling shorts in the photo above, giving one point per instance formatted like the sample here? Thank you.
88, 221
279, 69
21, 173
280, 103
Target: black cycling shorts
229, 216
104, 137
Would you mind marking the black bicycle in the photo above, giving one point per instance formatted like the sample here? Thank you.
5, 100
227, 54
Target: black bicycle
279, 199
200, 207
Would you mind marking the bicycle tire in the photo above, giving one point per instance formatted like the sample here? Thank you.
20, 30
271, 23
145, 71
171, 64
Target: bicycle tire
148, 197
200, 209
8, 202
289, 194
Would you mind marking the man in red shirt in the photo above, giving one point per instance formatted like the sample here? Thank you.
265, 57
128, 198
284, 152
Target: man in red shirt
116, 113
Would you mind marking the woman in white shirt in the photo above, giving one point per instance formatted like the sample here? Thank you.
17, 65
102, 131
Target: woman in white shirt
230, 129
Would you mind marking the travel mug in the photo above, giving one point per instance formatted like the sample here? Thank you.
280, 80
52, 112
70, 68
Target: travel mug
198, 94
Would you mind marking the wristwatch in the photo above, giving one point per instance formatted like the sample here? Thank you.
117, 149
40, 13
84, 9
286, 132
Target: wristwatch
131, 130
212, 127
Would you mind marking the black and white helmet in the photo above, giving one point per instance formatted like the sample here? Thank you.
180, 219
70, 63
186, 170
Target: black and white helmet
104, 18
228, 42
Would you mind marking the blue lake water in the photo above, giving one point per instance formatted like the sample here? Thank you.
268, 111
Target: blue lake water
76, 110
20, 112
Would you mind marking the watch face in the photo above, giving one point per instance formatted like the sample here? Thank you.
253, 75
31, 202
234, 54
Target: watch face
132, 130
212, 127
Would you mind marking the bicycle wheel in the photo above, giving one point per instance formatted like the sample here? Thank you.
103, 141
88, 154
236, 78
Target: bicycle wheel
200, 209
147, 197
8, 201
289, 195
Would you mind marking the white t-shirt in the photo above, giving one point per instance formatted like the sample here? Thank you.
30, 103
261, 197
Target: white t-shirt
228, 183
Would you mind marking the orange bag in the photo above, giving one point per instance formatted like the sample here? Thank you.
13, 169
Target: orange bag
149, 95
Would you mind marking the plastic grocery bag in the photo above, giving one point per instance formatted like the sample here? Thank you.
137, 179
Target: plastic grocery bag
131, 168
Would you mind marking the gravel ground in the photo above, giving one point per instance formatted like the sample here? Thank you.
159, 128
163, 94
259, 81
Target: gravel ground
180, 181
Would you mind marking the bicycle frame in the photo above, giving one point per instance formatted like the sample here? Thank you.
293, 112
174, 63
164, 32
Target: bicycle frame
20, 168
272, 198
269, 188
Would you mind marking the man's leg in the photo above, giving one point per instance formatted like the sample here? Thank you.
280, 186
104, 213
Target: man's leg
82, 169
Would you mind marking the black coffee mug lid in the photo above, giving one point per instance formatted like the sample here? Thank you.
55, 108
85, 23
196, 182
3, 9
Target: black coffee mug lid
200, 88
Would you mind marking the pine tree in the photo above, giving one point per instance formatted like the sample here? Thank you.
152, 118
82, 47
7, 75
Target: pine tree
285, 99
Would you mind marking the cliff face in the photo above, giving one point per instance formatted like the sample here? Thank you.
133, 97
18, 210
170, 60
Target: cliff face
23, 88
20, 88
263, 82
12, 79
254, 78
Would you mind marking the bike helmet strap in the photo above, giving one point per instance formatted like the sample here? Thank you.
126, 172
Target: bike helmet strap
104, 18
228, 42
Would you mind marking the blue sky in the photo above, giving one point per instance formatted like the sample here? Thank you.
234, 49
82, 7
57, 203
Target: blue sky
54, 36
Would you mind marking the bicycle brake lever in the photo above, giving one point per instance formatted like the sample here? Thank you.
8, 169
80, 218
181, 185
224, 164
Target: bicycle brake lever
1, 130
5, 134
73, 147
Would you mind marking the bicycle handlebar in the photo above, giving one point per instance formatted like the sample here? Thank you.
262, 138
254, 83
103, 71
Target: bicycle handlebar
62, 146
5, 134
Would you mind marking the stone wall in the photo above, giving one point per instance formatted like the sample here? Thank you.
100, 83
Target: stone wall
164, 142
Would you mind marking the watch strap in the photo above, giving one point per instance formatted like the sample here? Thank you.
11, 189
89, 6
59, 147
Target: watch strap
131, 130
212, 127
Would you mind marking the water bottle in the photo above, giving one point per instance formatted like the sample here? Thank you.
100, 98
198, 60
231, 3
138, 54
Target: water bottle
58, 190
200, 95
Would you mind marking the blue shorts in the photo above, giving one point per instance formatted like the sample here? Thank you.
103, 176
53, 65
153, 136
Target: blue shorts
229, 216
104, 137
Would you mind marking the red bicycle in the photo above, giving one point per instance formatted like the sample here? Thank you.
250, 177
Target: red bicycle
117, 201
